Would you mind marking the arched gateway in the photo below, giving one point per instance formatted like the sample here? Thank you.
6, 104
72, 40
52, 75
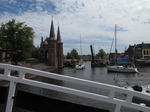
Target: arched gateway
52, 48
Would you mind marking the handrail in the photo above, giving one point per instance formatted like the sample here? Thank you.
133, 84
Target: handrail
110, 98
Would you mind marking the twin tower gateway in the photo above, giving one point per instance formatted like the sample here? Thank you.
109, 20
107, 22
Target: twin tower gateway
51, 48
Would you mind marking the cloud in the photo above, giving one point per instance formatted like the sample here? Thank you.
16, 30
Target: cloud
94, 20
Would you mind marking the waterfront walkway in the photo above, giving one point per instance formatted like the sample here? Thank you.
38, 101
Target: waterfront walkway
39, 65
43, 66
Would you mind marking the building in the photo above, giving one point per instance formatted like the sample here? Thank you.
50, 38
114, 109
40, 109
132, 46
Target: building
114, 56
51, 48
138, 51
3, 55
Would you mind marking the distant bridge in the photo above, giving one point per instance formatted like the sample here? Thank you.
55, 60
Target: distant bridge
110, 97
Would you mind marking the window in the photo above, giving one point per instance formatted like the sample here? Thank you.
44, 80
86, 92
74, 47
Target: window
144, 52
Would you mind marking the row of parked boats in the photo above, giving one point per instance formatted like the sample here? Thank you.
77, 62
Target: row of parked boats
129, 68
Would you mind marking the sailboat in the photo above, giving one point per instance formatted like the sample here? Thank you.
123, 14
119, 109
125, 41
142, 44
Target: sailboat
125, 69
80, 65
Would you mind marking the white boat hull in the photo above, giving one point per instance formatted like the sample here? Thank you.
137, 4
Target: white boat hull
80, 67
145, 89
122, 69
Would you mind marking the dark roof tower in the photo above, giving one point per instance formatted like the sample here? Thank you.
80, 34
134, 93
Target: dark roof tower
58, 36
59, 49
41, 42
52, 34
41, 39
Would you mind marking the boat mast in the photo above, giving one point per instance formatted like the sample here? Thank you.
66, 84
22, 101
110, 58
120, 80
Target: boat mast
80, 45
115, 43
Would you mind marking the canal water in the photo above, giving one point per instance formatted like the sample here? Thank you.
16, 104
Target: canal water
98, 74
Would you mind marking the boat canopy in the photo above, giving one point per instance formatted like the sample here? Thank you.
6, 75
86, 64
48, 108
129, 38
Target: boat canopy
122, 60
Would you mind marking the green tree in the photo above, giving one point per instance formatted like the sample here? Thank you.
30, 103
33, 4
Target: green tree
69, 56
35, 52
73, 54
101, 53
16, 39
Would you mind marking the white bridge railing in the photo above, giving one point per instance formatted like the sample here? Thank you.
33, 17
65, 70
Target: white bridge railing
109, 98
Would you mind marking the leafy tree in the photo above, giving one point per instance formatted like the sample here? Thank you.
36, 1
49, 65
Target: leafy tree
101, 53
35, 53
16, 39
69, 56
73, 54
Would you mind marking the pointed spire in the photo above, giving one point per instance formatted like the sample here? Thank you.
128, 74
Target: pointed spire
58, 36
52, 34
41, 40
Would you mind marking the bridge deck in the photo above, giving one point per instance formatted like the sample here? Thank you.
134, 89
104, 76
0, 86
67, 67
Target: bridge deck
111, 96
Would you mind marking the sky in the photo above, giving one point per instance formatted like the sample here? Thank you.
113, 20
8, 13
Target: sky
91, 22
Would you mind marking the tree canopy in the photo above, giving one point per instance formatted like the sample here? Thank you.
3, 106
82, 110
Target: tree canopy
101, 53
73, 54
16, 40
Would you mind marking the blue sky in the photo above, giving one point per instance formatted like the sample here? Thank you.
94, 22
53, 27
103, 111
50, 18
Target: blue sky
94, 20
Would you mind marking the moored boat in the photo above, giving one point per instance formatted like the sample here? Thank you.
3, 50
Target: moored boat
80, 66
122, 69
125, 69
